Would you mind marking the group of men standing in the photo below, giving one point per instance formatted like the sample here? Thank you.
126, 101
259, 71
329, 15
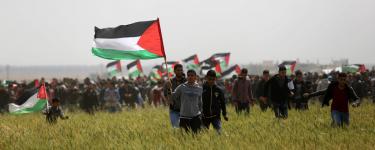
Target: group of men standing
193, 105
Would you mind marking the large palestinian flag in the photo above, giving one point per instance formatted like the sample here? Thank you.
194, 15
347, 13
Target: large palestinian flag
289, 65
234, 70
114, 68
354, 68
192, 62
140, 40
135, 69
34, 102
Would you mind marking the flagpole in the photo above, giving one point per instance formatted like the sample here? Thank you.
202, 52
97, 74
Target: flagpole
165, 57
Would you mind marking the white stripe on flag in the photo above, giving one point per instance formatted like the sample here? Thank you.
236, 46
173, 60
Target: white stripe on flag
126, 44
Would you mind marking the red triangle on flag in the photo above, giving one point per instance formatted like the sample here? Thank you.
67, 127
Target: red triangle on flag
42, 93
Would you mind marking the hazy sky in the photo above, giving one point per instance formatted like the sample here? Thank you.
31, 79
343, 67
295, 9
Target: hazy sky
50, 32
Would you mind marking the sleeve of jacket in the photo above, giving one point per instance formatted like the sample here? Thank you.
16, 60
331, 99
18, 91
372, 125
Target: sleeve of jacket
222, 103
352, 95
328, 95
234, 90
176, 97
250, 91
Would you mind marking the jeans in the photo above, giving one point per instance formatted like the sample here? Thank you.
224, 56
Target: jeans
215, 121
175, 118
340, 118
281, 110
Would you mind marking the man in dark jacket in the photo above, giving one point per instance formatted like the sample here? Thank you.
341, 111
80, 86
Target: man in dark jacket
90, 99
299, 100
261, 94
213, 102
340, 93
169, 88
4, 99
242, 95
279, 91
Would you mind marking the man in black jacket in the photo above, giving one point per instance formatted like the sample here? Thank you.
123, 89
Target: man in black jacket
169, 88
261, 94
213, 102
279, 91
300, 100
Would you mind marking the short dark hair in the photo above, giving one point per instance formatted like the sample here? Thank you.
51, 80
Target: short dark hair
55, 100
282, 68
266, 72
298, 73
177, 66
191, 71
342, 74
244, 70
211, 73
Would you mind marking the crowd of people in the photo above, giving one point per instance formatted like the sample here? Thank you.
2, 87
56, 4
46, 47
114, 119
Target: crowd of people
196, 101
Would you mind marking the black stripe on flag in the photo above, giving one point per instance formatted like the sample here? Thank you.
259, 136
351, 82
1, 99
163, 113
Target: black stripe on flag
130, 30
112, 63
132, 64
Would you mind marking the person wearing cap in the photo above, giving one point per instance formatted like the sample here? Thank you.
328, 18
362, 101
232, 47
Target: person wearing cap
278, 93
242, 93
213, 103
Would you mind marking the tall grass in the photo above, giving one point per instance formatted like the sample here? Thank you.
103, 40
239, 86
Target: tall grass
150, 129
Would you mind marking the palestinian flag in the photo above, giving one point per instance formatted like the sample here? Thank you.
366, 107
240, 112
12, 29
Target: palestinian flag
354, 68
206, 67
289, 65
156, 73
192, 62
169, 70
222, 59
114, 68
234, 70
35, 101
134, 69
140, 40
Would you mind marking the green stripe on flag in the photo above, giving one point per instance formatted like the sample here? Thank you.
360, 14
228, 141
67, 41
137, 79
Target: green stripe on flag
121, 54
40, 105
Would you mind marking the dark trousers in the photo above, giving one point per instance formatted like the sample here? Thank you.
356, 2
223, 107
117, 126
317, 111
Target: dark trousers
215, 121
191, 123
263, 105
281, 110
243, 107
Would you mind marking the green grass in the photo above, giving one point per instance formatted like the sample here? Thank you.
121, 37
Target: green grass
150, 129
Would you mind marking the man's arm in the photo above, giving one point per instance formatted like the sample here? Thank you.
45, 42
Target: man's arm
222, 104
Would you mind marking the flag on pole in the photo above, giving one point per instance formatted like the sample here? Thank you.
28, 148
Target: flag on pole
234, 70
139, 40
114, 68
222, 59
192, 62
33, 102
135, 69
289, 65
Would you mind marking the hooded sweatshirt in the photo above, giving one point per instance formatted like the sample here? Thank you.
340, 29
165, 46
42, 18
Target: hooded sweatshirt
188, 99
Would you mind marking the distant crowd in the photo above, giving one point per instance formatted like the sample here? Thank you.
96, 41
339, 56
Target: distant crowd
243, 91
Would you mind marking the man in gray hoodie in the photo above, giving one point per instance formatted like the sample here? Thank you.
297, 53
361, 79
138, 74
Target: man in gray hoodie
188, 98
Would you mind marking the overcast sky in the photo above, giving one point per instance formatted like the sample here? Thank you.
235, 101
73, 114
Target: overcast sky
50, 32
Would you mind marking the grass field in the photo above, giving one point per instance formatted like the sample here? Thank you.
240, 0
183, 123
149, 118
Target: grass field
150, 129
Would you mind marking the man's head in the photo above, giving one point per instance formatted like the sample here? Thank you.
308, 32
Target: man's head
178, 70
191, 76
266, 75
243, 73
211, 77
55, 102
299, 75
282, 71
342, 78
